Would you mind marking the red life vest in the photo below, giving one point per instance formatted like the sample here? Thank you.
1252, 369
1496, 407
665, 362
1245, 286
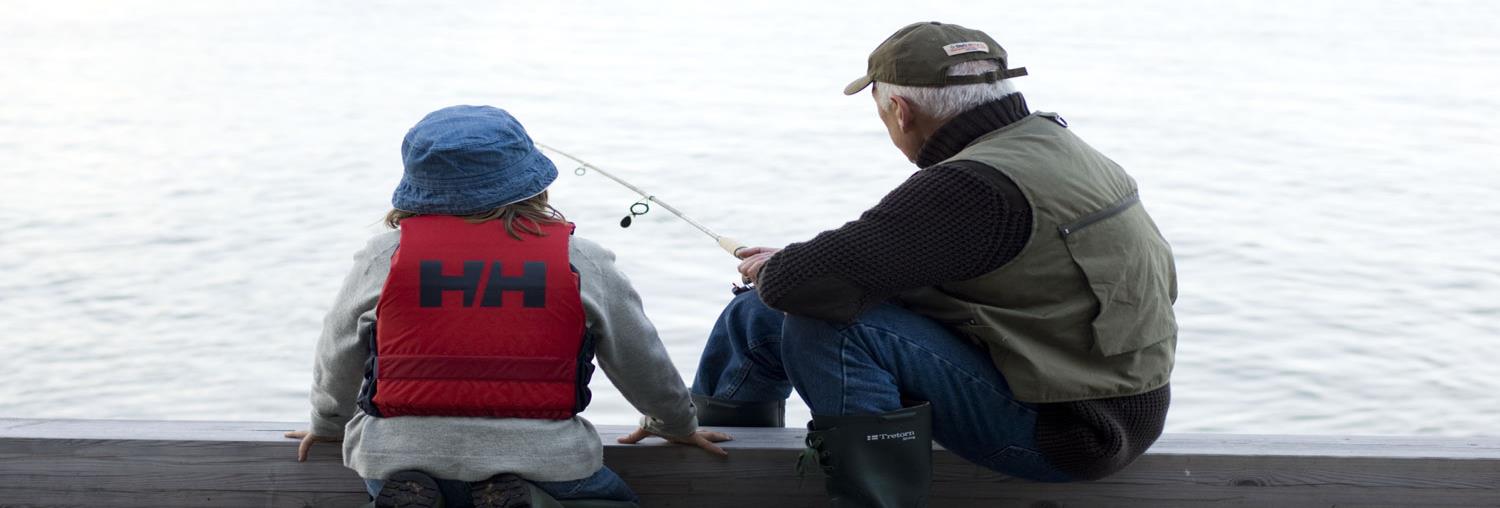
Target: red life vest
473, 322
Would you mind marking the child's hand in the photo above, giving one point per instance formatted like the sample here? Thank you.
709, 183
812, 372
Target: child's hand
704, 439
307, 441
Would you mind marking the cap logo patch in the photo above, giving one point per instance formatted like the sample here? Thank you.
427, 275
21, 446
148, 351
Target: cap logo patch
959, 48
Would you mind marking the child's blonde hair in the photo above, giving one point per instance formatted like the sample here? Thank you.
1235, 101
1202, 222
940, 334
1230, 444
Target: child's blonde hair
527, 215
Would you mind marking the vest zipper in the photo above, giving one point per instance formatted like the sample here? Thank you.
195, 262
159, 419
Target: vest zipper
1088, 220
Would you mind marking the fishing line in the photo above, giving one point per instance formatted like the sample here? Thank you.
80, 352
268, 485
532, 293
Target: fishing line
730, 245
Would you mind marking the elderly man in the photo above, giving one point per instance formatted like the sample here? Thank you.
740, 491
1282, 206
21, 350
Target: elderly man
1012, 299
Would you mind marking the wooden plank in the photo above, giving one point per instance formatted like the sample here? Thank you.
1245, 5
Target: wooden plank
187, 463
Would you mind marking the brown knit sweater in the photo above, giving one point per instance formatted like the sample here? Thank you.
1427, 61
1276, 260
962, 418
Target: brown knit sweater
947, 223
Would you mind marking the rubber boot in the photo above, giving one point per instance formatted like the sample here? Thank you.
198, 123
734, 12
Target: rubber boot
409, 489
730, 413
503, 491
874, 461
510, 491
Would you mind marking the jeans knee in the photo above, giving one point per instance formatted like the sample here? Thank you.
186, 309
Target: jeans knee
747, 310
745, 305
804, 336
747, 301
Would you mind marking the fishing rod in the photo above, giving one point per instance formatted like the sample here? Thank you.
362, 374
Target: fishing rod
729, 244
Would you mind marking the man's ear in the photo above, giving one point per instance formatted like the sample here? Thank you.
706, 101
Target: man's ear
906, 113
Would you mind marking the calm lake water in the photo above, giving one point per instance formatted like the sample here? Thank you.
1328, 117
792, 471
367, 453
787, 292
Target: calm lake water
184, 182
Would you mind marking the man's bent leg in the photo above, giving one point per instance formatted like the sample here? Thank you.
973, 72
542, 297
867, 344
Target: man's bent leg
740, 379
891, 354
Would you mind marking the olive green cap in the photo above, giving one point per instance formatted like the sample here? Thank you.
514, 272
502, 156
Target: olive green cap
920, 54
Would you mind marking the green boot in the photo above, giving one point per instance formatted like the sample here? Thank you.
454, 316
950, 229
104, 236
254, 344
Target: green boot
729, 413
874, 461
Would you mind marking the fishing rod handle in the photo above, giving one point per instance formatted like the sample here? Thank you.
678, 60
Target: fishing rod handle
731, 245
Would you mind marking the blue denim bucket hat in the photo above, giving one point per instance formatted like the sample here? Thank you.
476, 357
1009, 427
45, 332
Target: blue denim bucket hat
469, 159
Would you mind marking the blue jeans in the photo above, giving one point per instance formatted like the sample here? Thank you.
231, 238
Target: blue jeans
757, 354
604, 484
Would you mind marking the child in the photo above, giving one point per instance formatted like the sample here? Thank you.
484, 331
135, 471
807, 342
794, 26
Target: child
458, 353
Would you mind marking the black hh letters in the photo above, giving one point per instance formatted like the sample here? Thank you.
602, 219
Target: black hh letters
532, 284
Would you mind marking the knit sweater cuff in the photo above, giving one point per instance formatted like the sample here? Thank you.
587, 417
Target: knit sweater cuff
663, 429
325, 427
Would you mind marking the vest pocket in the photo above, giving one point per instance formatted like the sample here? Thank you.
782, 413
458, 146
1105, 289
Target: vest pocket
1128, 266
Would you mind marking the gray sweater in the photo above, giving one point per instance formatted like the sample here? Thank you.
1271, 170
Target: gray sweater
471, 449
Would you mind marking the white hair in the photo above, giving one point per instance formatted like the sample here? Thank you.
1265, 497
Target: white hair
945, 102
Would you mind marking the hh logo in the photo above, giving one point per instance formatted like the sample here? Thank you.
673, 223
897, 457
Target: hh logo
532, 284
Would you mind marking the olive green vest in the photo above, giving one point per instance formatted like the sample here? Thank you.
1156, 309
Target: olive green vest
1085, 310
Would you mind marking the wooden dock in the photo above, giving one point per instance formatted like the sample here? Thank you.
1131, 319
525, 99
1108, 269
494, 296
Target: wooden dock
188, 463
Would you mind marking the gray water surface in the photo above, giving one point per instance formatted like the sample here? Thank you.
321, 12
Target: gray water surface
184, 182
